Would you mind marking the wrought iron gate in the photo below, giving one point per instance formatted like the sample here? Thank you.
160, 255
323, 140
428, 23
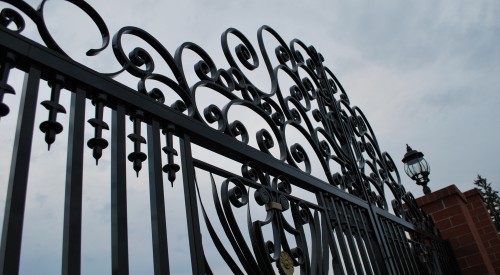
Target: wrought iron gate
336, 222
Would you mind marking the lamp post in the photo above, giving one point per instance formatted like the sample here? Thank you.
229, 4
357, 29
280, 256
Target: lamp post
417, 168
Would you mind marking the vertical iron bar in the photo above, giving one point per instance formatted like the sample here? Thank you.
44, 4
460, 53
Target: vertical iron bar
327, 232
157, 201
437, 268
403, 257
193, 222
405, 247
390, 250
358, 237
390, 244
340, 237
315, 246
437, 256
72, 228
443, 259
10, 248
411, 254
382, 242
397, 246
119, 229
375, 257
414, 252
350, 239
444, 262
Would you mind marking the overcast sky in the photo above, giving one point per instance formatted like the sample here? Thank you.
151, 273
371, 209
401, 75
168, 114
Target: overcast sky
426, 73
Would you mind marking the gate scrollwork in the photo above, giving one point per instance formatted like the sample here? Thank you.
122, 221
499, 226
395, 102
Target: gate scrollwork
332, 152
316, 97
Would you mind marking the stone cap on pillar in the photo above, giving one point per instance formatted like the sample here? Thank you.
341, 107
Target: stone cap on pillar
440, 194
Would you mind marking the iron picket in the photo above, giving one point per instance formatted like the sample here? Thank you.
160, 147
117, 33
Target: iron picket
119, 223
72, 228
10, 247
157, 201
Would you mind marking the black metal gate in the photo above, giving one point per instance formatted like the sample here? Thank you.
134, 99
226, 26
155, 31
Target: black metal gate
336, 222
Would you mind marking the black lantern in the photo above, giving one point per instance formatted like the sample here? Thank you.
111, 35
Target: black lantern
417, 168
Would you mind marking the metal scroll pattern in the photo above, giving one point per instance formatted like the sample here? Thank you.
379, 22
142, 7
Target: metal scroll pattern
314, 105
277, 239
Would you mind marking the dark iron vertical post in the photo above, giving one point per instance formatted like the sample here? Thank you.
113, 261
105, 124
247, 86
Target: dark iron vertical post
193, 223
10, 248
119, 229
375, 257
339, 231
358, 235
393, 243
157, 201
349, 236
72, 227
382, 239
409, 259
329, 218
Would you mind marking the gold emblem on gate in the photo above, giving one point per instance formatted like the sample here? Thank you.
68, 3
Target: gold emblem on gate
285, 264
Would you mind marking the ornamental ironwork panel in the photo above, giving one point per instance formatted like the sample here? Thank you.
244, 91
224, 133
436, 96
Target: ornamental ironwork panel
320, 205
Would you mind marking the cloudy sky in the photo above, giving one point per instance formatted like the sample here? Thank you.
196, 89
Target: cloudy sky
426, 73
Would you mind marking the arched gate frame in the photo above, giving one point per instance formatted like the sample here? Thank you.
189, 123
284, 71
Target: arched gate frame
345, 227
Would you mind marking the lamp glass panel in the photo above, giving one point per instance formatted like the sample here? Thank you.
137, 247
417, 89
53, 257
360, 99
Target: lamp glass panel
416, 167
425, 165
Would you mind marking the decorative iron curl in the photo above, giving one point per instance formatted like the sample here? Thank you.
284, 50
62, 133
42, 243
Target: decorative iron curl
273, 194
8, 16
37, 16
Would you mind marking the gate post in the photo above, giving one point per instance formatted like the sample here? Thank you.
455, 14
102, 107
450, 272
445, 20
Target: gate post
485, 228
448, 208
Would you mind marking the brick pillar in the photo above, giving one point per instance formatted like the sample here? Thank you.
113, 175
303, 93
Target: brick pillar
448, 208
485, 227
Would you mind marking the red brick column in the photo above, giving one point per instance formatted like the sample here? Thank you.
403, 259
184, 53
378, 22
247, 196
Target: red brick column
484, 225
448, 208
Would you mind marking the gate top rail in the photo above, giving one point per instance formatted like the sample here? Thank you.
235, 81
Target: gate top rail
344, 137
